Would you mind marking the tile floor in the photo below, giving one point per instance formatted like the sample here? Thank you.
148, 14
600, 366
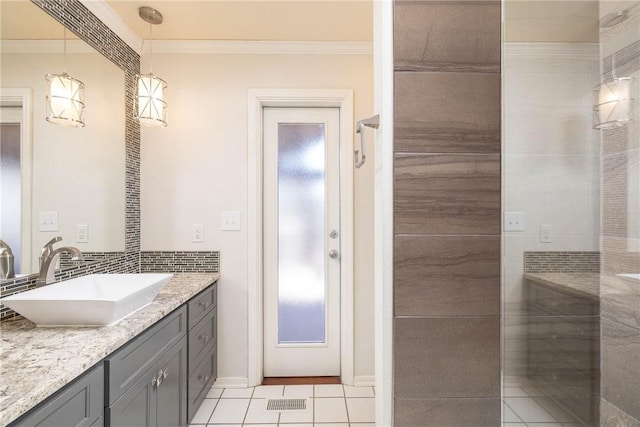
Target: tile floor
524, 406
328, 405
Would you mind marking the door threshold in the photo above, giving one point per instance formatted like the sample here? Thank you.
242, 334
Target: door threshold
300, 380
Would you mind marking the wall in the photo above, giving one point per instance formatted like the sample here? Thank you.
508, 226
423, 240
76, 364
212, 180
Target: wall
551, 165
620, 297
447, 213
197, 167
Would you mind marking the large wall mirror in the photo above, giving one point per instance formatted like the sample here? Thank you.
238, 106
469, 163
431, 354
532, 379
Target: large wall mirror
50, 173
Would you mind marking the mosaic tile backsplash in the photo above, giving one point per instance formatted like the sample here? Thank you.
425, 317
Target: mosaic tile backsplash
562, 262
180, 262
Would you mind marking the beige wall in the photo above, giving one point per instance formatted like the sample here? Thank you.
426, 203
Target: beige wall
197, 167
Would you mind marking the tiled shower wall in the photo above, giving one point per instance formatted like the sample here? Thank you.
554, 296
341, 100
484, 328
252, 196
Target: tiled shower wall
447, 213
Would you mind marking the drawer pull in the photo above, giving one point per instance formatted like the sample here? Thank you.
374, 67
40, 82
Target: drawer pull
162, 375
204, 338
204, 379
204, 304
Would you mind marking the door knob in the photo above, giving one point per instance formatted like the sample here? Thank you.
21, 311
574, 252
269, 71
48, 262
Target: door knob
333, 254
333, 234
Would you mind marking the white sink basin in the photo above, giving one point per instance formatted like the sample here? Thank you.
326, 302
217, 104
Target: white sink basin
94, 300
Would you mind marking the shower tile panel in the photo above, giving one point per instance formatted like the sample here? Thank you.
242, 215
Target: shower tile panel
447, 275
447, 357
614, 195
447, 112
447, 194
479, 412
612, 416
561, 262
447, 35
620, 300
621, 363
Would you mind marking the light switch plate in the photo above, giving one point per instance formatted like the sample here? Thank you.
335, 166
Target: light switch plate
230, 220
48, 221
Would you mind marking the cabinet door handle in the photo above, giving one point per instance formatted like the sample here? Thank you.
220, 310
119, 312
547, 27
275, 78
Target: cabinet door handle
165, 373
204, 304
203, 379
203, 338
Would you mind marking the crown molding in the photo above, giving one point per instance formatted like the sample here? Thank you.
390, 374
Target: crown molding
44, 46
241, 47
112, 20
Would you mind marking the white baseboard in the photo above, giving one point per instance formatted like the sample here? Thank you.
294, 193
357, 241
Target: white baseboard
231, 382
364, 381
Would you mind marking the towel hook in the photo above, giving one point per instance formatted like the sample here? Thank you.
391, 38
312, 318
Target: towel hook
371, 122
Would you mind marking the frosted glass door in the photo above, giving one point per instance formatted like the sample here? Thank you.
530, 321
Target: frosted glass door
301, 252
301, 208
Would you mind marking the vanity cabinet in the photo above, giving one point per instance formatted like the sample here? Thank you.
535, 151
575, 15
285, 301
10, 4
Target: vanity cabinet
158, 378
147, 378
202, 337
79, 404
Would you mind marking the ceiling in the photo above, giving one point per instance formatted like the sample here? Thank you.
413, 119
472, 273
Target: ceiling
288, 20
297, 20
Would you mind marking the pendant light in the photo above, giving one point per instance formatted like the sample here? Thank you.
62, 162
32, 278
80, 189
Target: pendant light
613, 103
65, 97
151, 104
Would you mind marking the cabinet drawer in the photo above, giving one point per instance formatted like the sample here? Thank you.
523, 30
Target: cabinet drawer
135, 358
200, 381
202, 338
81, 403
201, 304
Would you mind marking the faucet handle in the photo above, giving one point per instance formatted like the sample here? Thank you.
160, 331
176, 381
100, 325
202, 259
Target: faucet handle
47, 249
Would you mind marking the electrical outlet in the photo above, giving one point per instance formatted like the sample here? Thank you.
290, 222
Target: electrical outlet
513, 221
230, 220
82, 233
197, 233
545, 233
48, 221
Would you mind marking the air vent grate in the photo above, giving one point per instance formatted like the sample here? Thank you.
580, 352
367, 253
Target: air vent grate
286, 405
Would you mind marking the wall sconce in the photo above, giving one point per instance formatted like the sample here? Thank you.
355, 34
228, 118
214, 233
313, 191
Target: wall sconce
65, 97
613, 103
151, 105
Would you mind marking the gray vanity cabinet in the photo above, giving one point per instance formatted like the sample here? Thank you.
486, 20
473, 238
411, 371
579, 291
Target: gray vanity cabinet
202, 325
147, 378
80, 404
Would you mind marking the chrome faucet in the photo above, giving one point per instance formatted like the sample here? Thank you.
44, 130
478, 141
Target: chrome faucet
49, 258
6, 261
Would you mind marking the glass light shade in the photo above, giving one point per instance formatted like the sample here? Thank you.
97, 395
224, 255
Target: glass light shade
65, 100
152, 106
613, 103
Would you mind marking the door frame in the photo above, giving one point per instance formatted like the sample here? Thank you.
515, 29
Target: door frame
292, 98
24, 97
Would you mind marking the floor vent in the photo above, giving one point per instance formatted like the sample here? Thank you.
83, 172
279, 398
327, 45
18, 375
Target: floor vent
286, 405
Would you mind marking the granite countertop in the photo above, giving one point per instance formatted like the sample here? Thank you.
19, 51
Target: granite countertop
578, 284
36, 362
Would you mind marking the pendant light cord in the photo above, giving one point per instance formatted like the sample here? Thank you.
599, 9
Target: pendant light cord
64, 49
150, 48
